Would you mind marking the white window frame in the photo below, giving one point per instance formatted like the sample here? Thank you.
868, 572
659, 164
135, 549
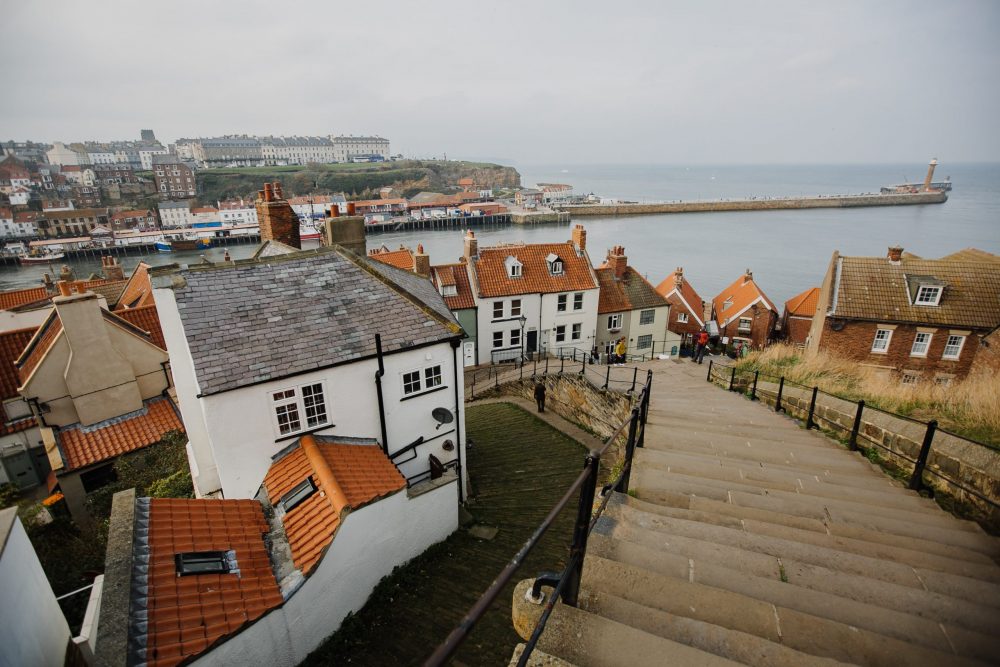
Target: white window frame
515, 270
497, 344
495, 308
922, 352
562, 303
935, 290
948, 344
888, 340
428, 378
515, 307
576, 331
578, 301
615, 322
298, 401
556, 267
644, 342
652, 316
560, 333
910, 377
682, 317
748, 327
515, 338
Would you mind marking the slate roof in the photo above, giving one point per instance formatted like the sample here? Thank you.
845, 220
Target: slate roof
874, 289
82, 446
261, 320
804, 304
346, 476
457, 275
187, 614
632, 292
491, 272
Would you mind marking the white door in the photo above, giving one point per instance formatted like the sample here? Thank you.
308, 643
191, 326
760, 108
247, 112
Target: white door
469, 350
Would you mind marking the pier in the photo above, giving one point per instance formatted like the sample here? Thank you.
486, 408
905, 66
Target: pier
95, 251
450, 222
777, 203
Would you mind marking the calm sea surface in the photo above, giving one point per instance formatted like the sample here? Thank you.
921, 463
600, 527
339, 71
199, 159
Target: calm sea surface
788, 251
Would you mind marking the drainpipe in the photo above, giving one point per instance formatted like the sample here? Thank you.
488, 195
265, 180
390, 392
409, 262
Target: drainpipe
378, 390
456, 355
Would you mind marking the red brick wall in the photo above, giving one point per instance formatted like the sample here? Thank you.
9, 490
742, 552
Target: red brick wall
796, 329
854, 341
987, 359
677, 306
761, 327
278, 222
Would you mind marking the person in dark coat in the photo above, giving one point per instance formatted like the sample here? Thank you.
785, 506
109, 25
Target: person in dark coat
540, 396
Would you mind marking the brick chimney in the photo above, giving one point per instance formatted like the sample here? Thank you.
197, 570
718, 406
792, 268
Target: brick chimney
277, 220
895, 254
748, 276
617, 261
579, 238
100, 381
471, 245
421, 262
111, 268
679, 276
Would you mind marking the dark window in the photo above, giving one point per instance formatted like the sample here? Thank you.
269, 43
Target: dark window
561, 303
645, 342
647, 316
298, 494
201, 562
578, 301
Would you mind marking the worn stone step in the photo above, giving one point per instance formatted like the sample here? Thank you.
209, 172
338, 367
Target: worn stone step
718, 512
817, 463
735, 430
590, 640
797, 630
537, 658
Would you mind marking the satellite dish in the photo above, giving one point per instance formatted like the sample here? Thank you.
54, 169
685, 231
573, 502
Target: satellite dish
442, 416
837, 324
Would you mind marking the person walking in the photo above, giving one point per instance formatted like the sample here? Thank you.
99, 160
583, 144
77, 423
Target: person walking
620, 350
540, 396
702, 345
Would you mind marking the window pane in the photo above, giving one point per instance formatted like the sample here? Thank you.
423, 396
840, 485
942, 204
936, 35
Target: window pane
577, 331
953, 347
578, 301
515, 336
497, 339
315, 406
647, 316
881, 342
411, 382
288, 418
645, 341
920, 344
515, 307
432, 377
560, 333
561, 302
497, 309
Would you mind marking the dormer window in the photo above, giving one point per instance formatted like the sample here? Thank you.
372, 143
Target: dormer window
514, 267
727, 303
448, 290
555, 264
928, 295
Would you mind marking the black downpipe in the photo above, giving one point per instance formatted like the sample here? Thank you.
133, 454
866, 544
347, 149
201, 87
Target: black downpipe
378, 390
455, 344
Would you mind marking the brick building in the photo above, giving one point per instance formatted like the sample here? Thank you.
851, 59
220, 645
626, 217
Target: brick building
687, 310
798, 316
106, 174
907, 317
77, 222
744, 313
137, 219
173, 178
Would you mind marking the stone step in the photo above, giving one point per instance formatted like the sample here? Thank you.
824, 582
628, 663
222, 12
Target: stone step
797, 630
814, 463
838, 596
734, 428
589, 640
804, 484
536, 659
759, 555
718, 512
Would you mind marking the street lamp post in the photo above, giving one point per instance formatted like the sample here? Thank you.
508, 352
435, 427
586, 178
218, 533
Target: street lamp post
523, 320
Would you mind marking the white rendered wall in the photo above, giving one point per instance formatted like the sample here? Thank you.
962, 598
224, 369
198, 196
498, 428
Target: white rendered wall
486, 325
369, 544
33, 630
587, 316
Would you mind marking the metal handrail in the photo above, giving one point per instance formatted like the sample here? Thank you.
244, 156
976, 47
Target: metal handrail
567, 582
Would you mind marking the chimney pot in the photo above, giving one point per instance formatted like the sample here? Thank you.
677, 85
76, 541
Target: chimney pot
64, 288
277, 190
895, 253
351, 208
335, 211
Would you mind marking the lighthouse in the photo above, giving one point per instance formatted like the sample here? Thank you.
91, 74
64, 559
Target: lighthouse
930, 174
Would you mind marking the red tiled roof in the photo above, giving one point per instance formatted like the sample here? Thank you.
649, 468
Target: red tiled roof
742, 292
686, 291
39, 346
803, 305
186, 614
348, 476
147, 319
26, 216
139, 290
82, 446
491, 272
17, 426
12, 344
401, 259
204, 209
457, 275
19, 297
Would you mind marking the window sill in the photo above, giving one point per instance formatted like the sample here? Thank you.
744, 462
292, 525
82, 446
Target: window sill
949, 358
423, 393
880, 352
299, 434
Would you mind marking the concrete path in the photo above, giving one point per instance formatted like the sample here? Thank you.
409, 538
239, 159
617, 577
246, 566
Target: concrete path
747, 539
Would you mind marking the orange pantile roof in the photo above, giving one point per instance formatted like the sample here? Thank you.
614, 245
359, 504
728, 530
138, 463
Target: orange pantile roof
85, 445
803, 305
491, 272
457, 275
204, 209
741, 294
139, 290
345, 475
38, 346
401, 259
147, 319
686, 294
19, 297
12, 344
186, 614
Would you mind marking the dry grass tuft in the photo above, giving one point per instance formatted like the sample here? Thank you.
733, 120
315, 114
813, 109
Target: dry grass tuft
970, 408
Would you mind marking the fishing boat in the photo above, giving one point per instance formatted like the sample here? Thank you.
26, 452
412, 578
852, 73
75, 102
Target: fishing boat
38, 256
164, 246
185, 243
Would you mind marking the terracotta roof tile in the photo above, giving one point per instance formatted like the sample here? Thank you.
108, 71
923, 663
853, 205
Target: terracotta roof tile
401, 259
85, 445
147, 319
38, 346
803, 305
186, 614
740, 294
686, 292
458, 275
348, 475
139, 290
873, 288
491, 271
13, 298
12, 344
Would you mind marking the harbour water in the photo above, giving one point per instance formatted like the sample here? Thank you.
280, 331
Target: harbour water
788, 251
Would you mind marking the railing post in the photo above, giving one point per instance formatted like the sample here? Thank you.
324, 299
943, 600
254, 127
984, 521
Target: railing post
853, 442
535, 371
583, 368
917, 481
812, 410
709, 378
607, 377
496, 379
635, 374
581, 531
732, 378
522, 369
781, 390
753, 391
546, 364
645, 410
622, 486
562, 363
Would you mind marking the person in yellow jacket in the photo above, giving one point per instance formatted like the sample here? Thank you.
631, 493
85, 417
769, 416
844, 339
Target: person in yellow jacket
620, 350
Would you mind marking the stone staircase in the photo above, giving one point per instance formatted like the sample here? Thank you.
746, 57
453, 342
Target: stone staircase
747, 540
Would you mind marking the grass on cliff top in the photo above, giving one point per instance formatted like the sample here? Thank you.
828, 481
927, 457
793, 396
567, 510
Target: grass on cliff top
350, 166
970, 408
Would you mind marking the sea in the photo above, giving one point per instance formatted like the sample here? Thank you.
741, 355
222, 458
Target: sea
787, 251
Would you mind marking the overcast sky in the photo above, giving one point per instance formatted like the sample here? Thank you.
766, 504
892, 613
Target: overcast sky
587, 82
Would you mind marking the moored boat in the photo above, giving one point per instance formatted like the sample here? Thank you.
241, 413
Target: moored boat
41, 257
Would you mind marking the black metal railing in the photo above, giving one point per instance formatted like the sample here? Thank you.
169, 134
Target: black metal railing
566, 584
728, 374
